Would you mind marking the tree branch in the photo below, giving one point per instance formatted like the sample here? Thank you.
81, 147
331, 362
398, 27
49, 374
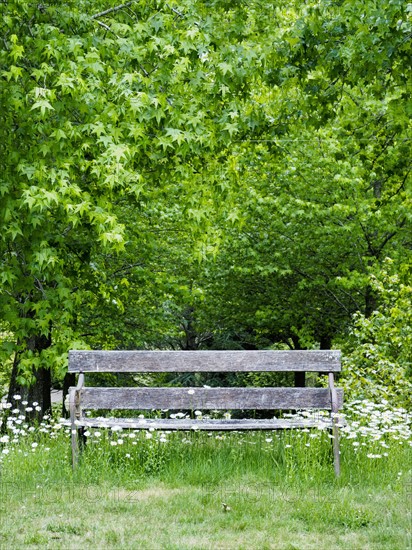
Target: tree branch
110, 10
105, 27
174, 10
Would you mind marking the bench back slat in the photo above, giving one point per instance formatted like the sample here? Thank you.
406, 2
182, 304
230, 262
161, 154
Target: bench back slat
205, 361
207, 398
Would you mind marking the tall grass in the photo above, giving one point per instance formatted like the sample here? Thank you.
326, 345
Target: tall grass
374, 447
201, 490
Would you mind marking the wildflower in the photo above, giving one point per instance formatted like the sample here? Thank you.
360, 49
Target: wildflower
5, 451
17, 397
288, 446
7, 406
132, 435
127, 455
35, 404
34, 445
29, 409
149, 435
120, 441
4, 439
198, 413
227, 415
97, 434
113, 443
191, 392
268, 440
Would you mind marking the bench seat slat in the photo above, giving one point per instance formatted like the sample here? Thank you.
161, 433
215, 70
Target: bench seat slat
207, 424
207, 398
205, 361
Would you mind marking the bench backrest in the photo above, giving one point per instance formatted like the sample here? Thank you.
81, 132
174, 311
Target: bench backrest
206, 361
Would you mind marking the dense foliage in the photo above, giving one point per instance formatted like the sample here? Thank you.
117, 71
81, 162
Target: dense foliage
206, 173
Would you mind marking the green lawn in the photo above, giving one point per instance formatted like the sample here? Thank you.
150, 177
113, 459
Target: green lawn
158, 515
279, 492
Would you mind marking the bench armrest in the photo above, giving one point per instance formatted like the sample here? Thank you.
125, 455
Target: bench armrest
80, 382
74, 399
333, 394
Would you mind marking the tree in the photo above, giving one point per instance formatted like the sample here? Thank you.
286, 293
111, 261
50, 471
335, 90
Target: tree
323, 195
123, 103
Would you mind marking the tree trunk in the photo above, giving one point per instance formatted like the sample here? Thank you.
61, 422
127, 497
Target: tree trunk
40, 390
370, 301
13, 390
325, 341
300, 377
189, 341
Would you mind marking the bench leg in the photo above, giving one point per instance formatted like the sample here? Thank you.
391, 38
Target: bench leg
78, 444
73, 427
335, 429
75, 446
336, 451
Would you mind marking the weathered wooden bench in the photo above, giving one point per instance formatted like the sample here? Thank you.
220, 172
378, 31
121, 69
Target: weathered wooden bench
82, 398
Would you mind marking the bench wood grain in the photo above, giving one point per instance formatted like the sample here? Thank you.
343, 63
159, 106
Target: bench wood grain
205, 361
208, 398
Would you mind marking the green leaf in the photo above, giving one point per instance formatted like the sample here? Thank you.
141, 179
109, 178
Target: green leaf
43, 105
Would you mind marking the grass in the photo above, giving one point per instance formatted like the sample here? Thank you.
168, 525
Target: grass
194, 490
165, 517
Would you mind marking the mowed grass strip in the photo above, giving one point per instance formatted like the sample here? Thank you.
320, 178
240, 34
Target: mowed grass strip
244, 514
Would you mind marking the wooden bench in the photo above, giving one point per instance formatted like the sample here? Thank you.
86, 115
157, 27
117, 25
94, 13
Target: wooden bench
82, 398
